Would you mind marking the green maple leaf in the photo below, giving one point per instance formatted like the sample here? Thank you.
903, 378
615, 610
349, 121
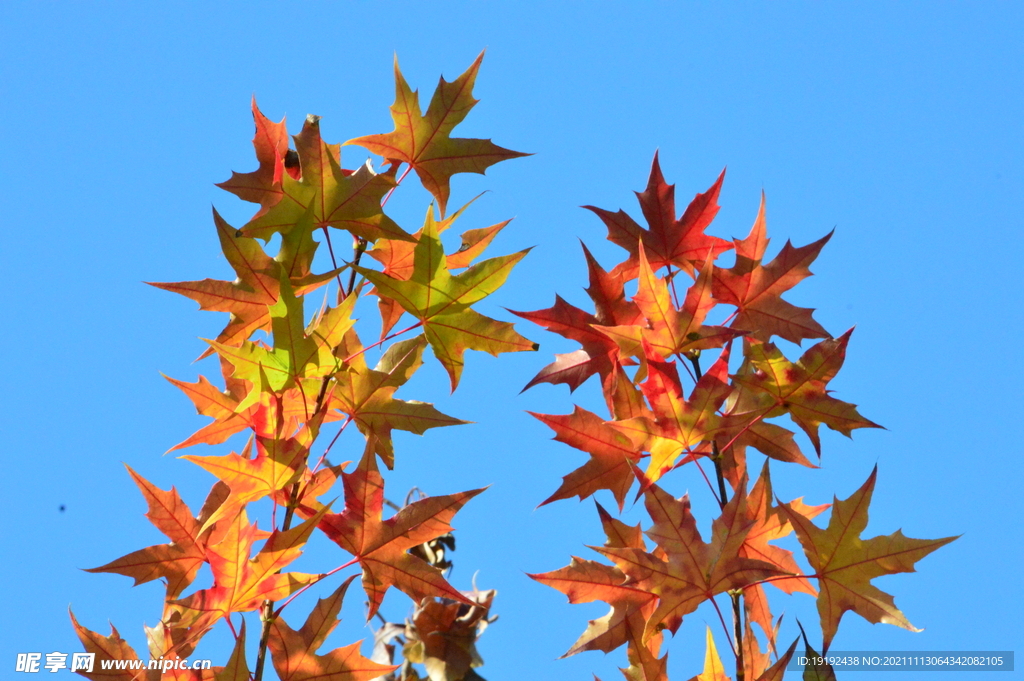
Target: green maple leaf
367, 396
297, 353
336, 197
441, 301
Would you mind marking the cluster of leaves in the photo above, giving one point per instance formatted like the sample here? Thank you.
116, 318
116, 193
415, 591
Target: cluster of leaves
289, 379
635, 346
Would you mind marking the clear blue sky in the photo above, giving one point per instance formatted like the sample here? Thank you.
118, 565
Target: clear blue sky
898, 124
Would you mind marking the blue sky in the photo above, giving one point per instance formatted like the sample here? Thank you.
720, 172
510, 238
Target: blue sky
897, 124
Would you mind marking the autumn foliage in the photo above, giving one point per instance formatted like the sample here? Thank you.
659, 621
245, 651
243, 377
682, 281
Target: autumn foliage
684, 396
292, 379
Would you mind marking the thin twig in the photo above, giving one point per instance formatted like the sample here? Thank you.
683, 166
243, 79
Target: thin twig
358, 247
267, 609
737, 621
334, 261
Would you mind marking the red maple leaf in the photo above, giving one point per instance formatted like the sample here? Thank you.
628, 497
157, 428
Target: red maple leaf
381, 546
668, 241
756, 289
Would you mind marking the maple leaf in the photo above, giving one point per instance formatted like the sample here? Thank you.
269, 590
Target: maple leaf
425, 142
327, 194
398, 259
845, 564
381, 546
277, 464
691, 571
294, 652
668, 241
585, 581
262, 186
441, 301
107, 648
770, 524
611, 455
177, 562
298, 352
366, 395
770, 385
599, 354
670, 331
241, 584
677, 424
247, 298
755, 289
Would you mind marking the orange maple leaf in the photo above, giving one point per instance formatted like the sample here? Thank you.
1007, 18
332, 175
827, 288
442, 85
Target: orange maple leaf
294, 652
263, 185
177, 562
585, 581
611, 455
425, 142
241, 584
677, 424
106, 648
690, 571
770, 385
381, 546
755, 289
845, 564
